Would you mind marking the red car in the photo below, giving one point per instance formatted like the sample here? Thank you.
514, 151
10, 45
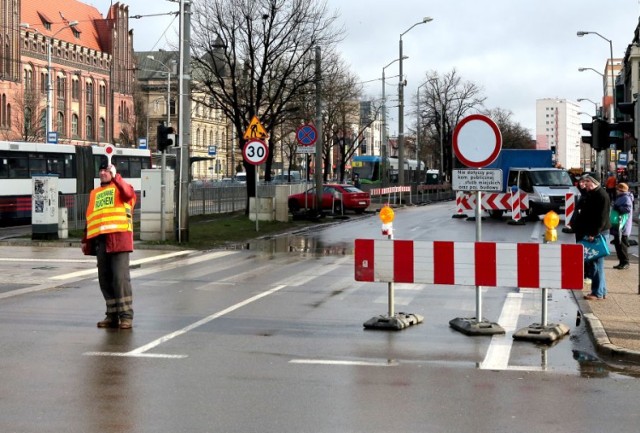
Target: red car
335, 197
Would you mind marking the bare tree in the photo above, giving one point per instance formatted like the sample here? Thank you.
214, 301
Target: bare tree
254, 56
445, 100
28, 117
514, 135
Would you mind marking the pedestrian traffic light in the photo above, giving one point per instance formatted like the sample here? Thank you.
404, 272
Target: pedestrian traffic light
164, 141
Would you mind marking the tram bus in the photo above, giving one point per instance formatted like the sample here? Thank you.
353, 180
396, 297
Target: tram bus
372, 169
76, 166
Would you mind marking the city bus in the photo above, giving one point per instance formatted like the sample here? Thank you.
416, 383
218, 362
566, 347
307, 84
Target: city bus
76, 167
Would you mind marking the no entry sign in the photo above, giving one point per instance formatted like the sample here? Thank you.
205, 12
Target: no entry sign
477, 141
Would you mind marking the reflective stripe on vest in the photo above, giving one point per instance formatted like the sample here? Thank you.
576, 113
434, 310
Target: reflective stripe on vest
107, 213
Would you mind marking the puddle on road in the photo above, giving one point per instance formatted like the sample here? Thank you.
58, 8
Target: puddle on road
298, 244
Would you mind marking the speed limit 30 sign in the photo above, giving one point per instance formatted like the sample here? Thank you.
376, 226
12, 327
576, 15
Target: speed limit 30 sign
255, 152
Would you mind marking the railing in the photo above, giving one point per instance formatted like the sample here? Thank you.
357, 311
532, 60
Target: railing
202, 201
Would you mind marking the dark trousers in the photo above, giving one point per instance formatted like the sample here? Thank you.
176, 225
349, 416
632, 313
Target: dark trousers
622, 248
115, 281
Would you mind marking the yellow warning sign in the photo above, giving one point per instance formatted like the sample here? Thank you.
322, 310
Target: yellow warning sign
255, 130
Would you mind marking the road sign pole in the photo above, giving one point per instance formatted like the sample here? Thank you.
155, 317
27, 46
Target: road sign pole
476, 143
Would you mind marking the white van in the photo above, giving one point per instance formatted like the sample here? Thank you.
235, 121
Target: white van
241, 177
546, 188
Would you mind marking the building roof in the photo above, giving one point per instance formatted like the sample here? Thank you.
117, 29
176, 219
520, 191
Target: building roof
153, 69
59, 13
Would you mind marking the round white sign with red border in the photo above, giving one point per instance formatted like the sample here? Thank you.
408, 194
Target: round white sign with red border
255, 152
477, 141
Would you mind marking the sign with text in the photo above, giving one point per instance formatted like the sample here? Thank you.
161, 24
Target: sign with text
477, 180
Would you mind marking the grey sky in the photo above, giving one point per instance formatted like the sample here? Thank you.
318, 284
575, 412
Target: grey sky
516, 50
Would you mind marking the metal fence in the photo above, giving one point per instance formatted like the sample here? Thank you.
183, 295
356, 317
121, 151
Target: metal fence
207, 200
204, 200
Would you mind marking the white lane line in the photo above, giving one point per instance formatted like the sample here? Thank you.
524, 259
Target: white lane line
535, 233
340, 362
497, 357
142, 349
94, 271
28, 260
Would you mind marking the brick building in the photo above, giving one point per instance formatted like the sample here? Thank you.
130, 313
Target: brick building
92, 72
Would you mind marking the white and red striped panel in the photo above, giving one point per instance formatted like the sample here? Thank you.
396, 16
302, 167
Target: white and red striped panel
554, 266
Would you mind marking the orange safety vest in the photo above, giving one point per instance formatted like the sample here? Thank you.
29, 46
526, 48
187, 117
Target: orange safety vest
107, 213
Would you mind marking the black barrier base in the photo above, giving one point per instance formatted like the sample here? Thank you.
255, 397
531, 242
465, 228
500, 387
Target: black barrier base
459, 215
474, 218
542, 334
520, 222
393, 323
567, 230
470, 326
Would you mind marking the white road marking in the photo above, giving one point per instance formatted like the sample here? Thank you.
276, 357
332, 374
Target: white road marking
28, 260
88, 272
141, 350
340, 362
497, 357
535, 233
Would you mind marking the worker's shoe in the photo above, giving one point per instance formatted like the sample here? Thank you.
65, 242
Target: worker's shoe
111, 321
126, 324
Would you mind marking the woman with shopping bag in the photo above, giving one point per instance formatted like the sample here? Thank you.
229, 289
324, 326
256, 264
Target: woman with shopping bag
621, 222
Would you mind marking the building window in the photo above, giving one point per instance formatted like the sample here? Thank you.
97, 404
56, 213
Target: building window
75, 89
89, 128
74, 125
102, 129
89, 90
103, 94
60, 86
44, 76
60, 124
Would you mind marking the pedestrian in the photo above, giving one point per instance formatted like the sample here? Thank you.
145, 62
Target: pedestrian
109, 236
592, 221
623, 206
578, 206
356, 180
610, 185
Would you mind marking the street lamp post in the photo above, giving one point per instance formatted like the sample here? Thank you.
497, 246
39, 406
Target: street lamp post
383, 132
418, 126
163, 156
594, 103
401, 104
49, 110
613, 82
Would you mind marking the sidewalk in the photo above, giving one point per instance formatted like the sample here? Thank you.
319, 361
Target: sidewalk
615, 322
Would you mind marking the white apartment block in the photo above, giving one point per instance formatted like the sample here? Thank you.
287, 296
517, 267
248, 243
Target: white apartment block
558, 127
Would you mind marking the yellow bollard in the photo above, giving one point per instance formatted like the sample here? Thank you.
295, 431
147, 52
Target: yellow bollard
551, 221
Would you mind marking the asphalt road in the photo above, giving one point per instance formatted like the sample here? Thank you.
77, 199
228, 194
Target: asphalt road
271, 340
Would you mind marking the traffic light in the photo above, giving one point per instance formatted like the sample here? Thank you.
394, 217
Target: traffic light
629, 109
164, 141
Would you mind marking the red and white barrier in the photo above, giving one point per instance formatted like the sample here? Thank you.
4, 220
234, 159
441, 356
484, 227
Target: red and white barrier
516, 213
392, 189
470, 263
569, 208
492, 200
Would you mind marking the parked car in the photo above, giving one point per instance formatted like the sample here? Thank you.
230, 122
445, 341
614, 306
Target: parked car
335, 197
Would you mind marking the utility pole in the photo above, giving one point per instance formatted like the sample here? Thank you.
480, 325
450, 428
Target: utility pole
184, 121
319, 129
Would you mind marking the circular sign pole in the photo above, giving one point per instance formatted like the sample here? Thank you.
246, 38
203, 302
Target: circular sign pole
109, 151
477, 141
255, 152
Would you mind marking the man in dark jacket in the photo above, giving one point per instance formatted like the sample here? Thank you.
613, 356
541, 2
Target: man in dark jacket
109, 236
592, 220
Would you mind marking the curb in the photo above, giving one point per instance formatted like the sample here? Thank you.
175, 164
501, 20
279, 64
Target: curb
601, 340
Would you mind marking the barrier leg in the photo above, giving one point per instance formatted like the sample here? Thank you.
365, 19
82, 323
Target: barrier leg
542, 332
